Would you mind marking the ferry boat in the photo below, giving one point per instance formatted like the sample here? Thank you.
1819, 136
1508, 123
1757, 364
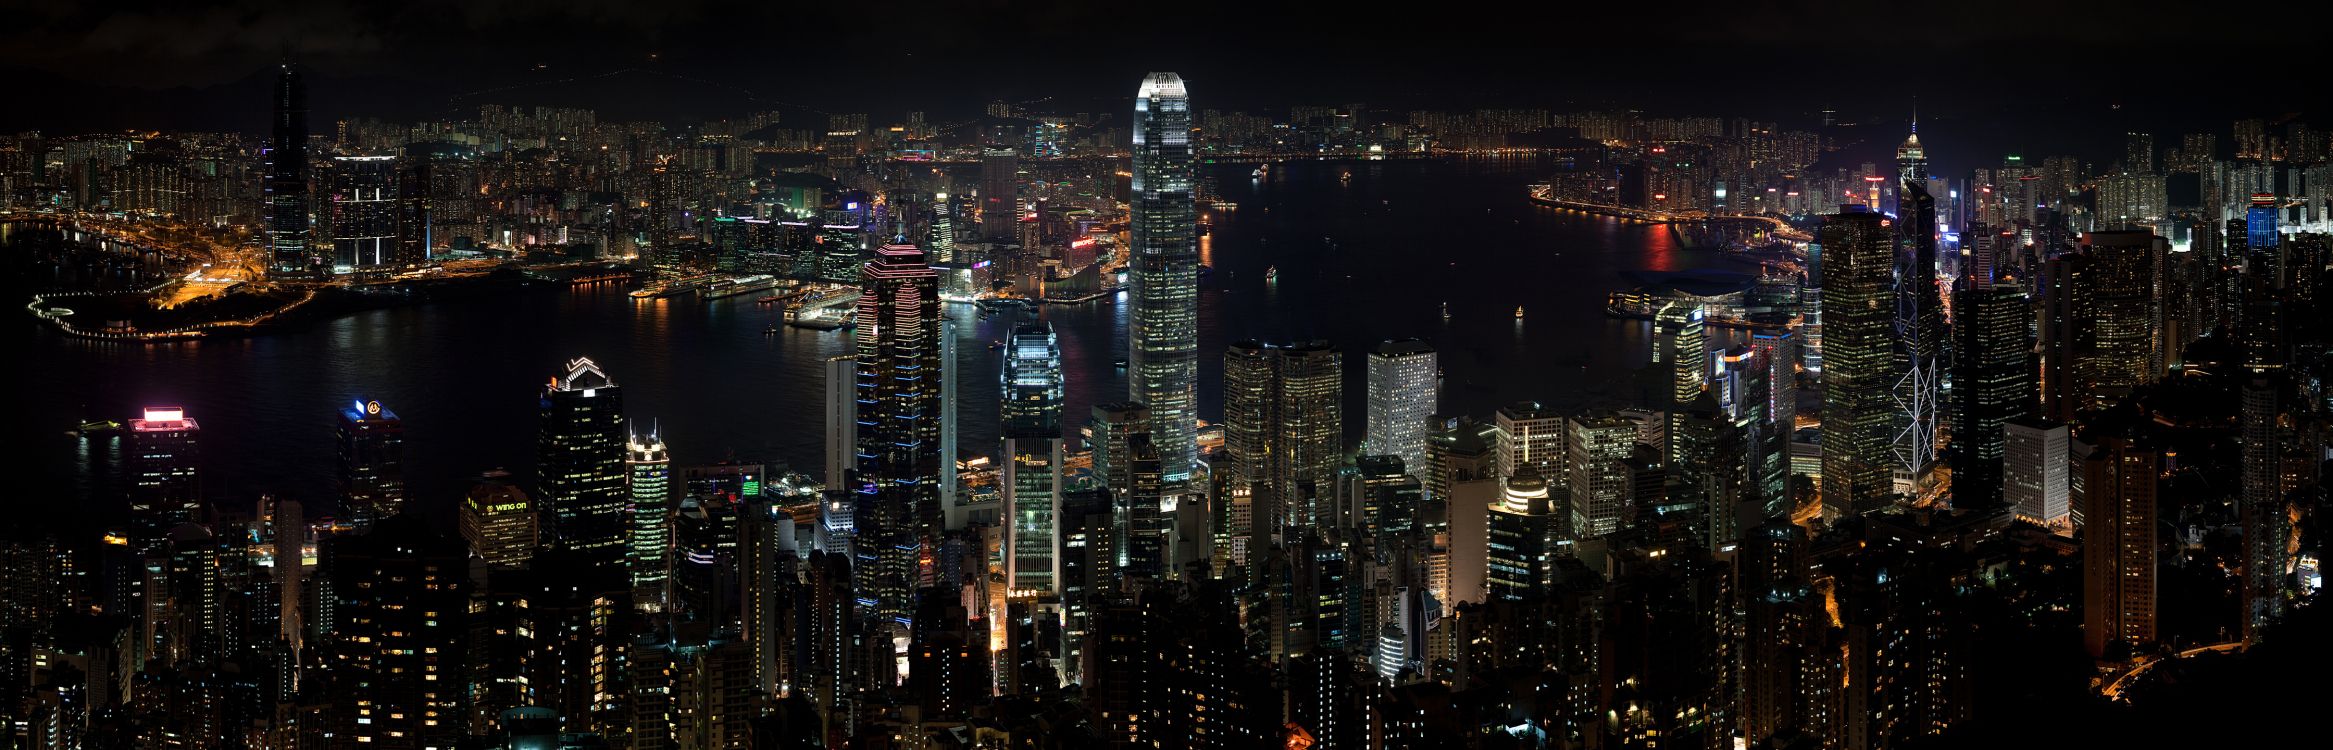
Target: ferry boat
1445, 312
1262, 171
1271, 274
1518, 312
740, 285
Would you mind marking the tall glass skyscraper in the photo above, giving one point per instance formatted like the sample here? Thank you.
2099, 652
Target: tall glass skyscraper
364, 212
1032, 434
898, 386
1403, 385
579, 466
371, 440
1859, 373
1163, 358
286, 185
648, 477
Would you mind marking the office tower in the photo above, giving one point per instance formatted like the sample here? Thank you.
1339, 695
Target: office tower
1163, 357
769, 576
1859, 372
1659, 608
1032, 481
1000, 203
898, 374
165, 465
648, 552
286, 186
704, 559
1919, 334
1284, 424
842, 420
1248, 386
498, 521
1403, 385
1681, 352
2103, 334
953, 511
564, 638
1741, 394
1912, 158
362, 209
2035, 461
579, 465
399, 674
943, 231
1992, 385
417, 210
2119, 482
1530, 436
690, 688
371, 441
2264, 511
1598, 447
1520, 559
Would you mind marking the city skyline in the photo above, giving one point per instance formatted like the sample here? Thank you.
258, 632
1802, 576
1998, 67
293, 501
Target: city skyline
1176, 420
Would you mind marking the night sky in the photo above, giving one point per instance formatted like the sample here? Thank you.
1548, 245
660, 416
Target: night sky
2064, 77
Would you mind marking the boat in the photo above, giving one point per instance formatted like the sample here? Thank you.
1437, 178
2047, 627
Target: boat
1271, 274
1262, 171
1346, 177
1445, 312
738, 286
1518, 312
769, 300
1119, 363
772, 330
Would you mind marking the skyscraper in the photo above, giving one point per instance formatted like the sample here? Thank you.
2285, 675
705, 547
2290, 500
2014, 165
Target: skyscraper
898, 385
165, 473
1032, 482
1992, 385
579, 466
363, 212
1681, 351
1858, 361
648, 553
1163, 357
2104, 330
1531, 436
1598, 446
500, 523
1403, 386
400, 644
2118, 546
1000, 203
372, 462
286, 186
1919, 326
1520, 561
2035, 463
1284, 424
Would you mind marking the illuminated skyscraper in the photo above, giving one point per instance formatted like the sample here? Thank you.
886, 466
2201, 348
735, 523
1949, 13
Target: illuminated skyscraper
1000, 203
372, 462
1531, 436
1403, 386
1681, 351
898, 386
286, 186
2035, 461
648, 554
1032, 482
363, 212
2104, 328
1858, 361
2118, 545
400, 644
165, 473
1287, 405
1919, 333
2264, 511
579, 465
1597, 448
1522, 536
500, 523
1911, 157
1163, 361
